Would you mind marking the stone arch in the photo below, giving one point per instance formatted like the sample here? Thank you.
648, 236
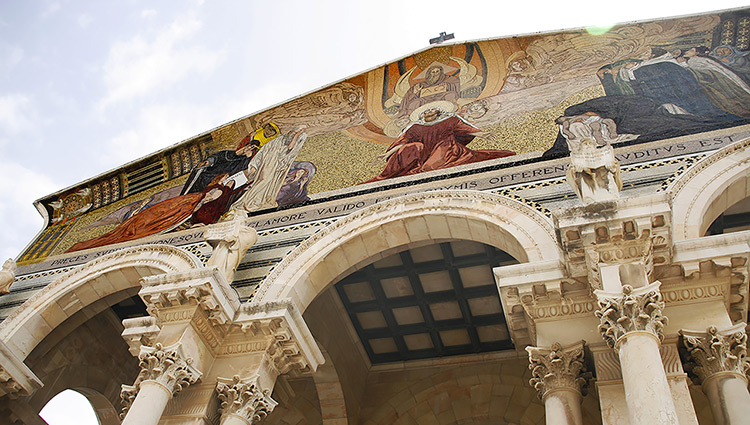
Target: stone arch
708, 188
330, 393
407, 222
91, 286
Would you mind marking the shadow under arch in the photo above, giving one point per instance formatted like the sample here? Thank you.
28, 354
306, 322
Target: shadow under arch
709, 188
91, 287
408, 222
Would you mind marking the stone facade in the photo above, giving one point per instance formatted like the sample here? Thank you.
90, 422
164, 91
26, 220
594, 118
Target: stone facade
612, 301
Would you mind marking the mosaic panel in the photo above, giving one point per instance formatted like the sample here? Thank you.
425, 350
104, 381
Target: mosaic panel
449, 105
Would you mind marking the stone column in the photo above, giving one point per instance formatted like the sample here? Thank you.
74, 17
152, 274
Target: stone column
242, 401
559, 375
718, 360
631, 322
164, 373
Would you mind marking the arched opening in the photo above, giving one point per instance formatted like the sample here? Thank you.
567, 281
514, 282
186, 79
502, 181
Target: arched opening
409, 282
711, 187
405, 223
419, 308
86, 291
736, 218
89, 356
70, 407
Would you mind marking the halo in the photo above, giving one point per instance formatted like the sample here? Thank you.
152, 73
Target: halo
442, 104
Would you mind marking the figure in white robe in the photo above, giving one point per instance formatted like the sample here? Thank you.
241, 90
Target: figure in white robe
268, 169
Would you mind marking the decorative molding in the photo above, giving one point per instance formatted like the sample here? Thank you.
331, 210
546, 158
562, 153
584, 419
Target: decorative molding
166, 366
564, 308
244, 398
16, 379
206, 287
472, 202
278, 329
634, 310
687, 294
139, 331
677, 186
165, 258
715, 351
558, 368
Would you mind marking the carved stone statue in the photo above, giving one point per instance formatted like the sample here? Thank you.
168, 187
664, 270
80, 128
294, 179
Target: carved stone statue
7, 275
230, 242
594, 173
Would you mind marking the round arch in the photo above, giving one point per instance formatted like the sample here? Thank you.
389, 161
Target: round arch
709, 188
90, 286
408, 222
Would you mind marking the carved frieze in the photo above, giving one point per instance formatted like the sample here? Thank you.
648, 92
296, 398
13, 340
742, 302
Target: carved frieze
634, 310
244, 398
558, 368
167, 366
715, 351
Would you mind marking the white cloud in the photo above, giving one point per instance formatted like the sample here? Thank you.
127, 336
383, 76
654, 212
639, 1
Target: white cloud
19, 187
84, 20
165, 124
16, 113
148, 13
138, 67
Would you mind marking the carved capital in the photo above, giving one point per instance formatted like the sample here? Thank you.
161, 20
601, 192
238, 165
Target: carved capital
637, 309
558, 368
166, 366
244, 398
716, 351
205, 287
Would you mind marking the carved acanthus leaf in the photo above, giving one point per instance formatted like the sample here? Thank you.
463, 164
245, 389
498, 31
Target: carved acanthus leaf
635, 310
167, 366
716, 351
244, 398
557, 367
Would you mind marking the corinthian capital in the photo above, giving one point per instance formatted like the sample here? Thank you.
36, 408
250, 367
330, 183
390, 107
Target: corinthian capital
244, 398
165, 366
557, 368
717, 351
637, 309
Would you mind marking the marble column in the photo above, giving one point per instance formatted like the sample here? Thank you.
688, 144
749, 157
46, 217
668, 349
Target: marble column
718, 360
559, 375
632, 323
242, 401
164, 372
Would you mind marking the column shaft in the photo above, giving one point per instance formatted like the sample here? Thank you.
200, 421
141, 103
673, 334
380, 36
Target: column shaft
148, 405
563, 407
729, 399
233, 419
647, 391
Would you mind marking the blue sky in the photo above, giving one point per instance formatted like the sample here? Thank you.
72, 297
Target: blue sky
86, 86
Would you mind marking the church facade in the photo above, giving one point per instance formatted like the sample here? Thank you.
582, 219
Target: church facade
552, 228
